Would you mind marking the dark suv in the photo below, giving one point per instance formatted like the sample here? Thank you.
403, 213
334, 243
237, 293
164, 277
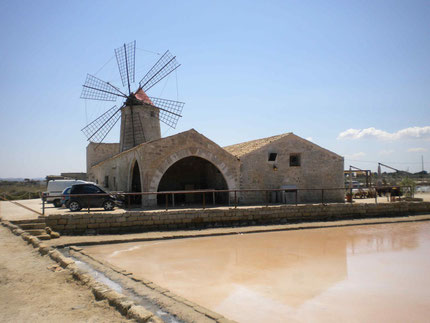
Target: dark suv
103, 200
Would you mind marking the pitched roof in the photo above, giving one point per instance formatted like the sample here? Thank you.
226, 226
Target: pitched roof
244, 148
141, 95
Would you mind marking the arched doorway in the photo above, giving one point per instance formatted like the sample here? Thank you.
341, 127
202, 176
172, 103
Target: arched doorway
136, 186
192, 173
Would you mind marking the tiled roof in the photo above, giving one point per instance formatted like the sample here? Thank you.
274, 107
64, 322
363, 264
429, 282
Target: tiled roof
244, 148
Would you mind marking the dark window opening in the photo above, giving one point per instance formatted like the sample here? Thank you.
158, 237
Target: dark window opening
152, 114
294, 160
106, 183
136, 186
272, 156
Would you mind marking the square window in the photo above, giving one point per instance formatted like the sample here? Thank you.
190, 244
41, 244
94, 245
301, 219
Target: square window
272, 156
294, 160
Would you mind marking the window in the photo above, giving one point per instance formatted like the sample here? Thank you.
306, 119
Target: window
106, 183
272, 157
152, 114
294, 160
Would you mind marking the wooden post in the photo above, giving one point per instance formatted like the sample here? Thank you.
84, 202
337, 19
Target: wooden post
43, 205
213, 198
167, 201
267, 198
173, 199
235, 200
204, 201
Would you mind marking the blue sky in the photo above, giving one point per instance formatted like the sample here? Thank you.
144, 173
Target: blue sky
352, 76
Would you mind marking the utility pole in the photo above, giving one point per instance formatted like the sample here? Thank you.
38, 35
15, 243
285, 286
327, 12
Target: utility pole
422, 162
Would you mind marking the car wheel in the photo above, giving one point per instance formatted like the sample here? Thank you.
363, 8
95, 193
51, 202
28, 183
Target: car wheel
57, 203
108, 205
74, 206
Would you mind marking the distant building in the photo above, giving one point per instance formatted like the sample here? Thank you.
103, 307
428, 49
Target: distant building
81, 176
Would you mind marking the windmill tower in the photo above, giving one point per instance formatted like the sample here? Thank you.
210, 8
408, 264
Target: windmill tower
140, 114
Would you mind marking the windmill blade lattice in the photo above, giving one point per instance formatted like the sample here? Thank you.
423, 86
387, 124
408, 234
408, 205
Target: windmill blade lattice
98, 129
165, 65
170, 111
125, 57
96, 89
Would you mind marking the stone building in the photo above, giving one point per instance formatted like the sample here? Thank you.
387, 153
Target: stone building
190, 161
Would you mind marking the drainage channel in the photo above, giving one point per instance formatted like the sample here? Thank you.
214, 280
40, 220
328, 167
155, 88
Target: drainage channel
116, 286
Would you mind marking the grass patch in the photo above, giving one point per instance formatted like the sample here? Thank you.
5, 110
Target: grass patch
21, 190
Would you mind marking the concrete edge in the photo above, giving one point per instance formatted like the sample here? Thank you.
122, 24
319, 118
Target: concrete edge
259, 229
100, 291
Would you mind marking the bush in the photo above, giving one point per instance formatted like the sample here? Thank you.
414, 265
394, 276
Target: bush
408, 191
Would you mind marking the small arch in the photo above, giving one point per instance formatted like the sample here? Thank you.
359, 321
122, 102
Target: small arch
136, 184
192, 173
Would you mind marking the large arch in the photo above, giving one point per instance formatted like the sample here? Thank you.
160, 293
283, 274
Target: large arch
192, 173
229, 174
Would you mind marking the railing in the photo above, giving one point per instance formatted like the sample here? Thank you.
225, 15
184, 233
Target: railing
229, 197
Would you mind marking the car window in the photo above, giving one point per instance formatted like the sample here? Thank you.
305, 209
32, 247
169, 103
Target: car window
90, 189
78, 189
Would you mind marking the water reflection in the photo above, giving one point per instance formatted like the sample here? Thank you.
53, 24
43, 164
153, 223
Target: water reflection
383, 238
285, 275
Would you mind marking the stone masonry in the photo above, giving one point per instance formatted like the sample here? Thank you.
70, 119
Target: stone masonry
283, 161
140, 221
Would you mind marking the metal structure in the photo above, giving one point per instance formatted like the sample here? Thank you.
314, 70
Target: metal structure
132, 123
359, 171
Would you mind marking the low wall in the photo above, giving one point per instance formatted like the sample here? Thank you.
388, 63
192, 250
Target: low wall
140, 221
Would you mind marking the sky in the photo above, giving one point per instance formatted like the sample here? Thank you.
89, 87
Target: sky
350, 76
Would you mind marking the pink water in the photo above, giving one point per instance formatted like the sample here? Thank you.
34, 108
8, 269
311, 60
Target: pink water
374, 273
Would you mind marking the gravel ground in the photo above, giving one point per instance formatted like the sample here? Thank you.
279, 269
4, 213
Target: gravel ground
32, 290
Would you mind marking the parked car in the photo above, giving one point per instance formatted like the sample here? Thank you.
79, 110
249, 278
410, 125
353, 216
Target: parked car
65, 198
56, 187
102, 199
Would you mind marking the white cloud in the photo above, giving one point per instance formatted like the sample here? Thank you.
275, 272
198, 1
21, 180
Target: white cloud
407, 133
356, 155
386, 152
417, 150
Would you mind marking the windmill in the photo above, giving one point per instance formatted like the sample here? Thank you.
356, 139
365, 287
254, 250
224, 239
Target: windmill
140, 114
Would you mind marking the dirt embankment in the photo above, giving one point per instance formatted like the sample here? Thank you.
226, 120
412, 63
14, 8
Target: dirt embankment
30, 291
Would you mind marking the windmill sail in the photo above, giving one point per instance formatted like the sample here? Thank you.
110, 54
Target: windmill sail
98, 129
96, 89
125, 57
165, 65
170, 111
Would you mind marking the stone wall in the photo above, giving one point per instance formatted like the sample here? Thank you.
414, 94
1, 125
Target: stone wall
319, 168
197, 218
155, 157
98, 152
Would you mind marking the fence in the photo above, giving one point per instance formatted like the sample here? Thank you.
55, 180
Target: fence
206, 198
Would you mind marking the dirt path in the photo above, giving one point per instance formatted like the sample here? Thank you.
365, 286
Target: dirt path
30, 292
